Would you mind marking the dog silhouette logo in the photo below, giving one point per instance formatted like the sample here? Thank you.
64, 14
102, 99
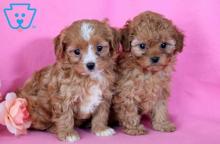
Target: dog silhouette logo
20, 15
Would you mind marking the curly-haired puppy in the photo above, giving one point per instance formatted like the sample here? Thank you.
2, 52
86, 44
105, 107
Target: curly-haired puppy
150, 43
79, 85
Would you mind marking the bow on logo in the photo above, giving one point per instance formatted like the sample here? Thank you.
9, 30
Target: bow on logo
20, 15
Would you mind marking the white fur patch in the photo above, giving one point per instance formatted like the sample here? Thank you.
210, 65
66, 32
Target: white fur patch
72, 138
86, 31
106, 132
97, 75
92, 101
89, 56
135, 47
171, 45
135, 42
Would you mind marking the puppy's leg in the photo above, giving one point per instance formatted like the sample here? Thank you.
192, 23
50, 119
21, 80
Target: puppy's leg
100, 119
129, 119
63, 119
40, 119
159, 116
38, 108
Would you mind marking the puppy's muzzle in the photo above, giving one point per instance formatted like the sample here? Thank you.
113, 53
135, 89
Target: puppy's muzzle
90, 66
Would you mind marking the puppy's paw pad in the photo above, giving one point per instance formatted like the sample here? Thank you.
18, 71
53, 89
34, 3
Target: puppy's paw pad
72, 138
106, 132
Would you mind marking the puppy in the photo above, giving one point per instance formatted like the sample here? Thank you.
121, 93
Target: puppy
79, 85
150, 43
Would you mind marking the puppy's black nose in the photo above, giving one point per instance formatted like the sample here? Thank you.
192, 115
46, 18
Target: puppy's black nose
154, 59
90, 65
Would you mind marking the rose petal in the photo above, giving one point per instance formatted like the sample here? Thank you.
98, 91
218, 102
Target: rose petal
10, 127
13, 110
2, 113
27, 124
10, 98
23, 101
18, 118
10, 120
16, 113
26, 115
20, 132
17, 106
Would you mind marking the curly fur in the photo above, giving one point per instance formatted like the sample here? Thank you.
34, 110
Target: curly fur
58, 96
142, 86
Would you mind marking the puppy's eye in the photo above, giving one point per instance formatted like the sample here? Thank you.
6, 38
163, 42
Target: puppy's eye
77, 51
142, 45
163, 45
99, 48
16, 14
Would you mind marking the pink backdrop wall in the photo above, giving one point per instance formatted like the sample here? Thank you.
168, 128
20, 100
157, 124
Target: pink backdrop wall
196, 83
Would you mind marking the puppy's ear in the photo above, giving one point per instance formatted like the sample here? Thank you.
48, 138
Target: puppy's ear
179, 37
60, 46
126, 37
115, 42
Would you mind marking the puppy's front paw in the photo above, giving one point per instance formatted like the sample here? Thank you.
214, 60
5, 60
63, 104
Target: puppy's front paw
139, 130
69, 136
106, 132
164, 126
72, 138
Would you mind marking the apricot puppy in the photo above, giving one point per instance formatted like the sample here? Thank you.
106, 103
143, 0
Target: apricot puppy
79, 85
151, 44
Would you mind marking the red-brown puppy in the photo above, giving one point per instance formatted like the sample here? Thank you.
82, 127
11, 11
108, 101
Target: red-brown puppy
150, 43
79, 85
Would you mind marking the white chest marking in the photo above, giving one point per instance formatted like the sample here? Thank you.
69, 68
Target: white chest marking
91, 101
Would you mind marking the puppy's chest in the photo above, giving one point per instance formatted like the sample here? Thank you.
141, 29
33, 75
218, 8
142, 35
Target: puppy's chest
153, 85
91, 100
93, 96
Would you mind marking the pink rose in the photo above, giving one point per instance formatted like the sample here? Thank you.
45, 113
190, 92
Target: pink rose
14, 114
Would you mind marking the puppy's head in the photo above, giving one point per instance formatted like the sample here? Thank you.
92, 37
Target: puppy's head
152, 39
88, 46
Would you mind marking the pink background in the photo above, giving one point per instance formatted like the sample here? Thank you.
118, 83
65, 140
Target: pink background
195, 100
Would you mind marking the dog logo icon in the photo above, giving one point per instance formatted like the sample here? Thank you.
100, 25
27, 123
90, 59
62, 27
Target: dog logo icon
20, 15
